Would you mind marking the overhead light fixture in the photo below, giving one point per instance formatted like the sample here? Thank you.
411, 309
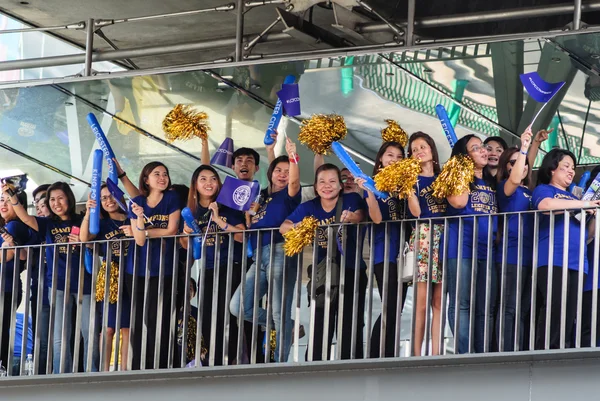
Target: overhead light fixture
25, 3
595, 56
556, 59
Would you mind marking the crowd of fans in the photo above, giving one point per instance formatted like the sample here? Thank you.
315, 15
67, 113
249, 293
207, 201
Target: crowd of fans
141, 241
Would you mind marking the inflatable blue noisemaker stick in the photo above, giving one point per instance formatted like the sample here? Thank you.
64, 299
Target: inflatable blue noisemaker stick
584, 179
277, 113
345, 158
95, 192
109, 155
89, 260
189, 219
446, 125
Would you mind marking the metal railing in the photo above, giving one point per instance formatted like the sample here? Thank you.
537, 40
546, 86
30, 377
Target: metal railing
174, 325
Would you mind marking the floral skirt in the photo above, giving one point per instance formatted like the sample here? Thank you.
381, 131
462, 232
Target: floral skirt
425, 237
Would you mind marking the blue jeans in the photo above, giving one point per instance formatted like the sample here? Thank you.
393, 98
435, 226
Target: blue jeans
59, 326
510, 307
43, 327
465, 303
277, 289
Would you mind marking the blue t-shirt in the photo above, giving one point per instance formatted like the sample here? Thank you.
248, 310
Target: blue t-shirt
110, 231
548, 191
391, 209
38, 239
482, 200
57, 232
352, 202
272, 214
231, 217
159, 216
519, 201
430, 206
22, 236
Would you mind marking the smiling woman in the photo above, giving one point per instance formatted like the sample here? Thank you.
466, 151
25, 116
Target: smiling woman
554, 177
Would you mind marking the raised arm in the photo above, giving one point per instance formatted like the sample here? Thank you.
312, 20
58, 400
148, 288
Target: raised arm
294, 178
516, 174
19, 209
131, 189
84, 230
204, 153
541, 136
271, 148
318, 162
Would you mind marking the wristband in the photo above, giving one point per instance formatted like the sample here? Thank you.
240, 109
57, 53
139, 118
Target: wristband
140, 229
14, 204
123, 174
586, 204
226, 226
523, 153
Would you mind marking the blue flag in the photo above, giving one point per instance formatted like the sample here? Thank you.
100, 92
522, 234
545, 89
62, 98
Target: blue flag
290, 98
540, 90
238, 194
116, 192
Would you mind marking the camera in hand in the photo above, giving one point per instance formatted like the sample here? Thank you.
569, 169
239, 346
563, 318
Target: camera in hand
16, 184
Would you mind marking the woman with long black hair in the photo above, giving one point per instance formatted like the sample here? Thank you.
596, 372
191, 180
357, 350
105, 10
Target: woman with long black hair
62, 227
478, 199
154, 214
214, 219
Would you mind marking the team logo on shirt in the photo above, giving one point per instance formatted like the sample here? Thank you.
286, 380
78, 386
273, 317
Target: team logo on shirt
241, 195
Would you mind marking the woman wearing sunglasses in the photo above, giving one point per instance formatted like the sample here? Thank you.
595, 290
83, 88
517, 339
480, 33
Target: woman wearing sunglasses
514, 195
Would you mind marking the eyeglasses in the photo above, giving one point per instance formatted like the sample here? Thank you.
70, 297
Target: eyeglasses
478, 148
105, 198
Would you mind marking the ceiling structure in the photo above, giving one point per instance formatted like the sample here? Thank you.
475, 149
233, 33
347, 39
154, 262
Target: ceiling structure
353, 58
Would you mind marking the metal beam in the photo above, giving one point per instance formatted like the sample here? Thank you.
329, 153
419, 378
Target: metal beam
89, 47
577, 15
274, 58
410, 28
112, 55
105, 22
239, 31
489, 16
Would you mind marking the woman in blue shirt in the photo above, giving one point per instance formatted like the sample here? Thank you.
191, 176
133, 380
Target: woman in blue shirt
60, 228
329, 187
554, 177
114, 226
279, 201
423, 205
14, 233
204, 189
514, 195
479, 199
382, 213
154, 214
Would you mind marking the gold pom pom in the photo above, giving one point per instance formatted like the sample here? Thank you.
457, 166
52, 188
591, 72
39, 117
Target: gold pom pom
399, 178
320, 131
183, 122
304, 234
394, 133
456, 176
113, 292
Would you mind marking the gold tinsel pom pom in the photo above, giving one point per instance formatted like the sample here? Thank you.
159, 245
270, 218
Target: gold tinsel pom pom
184, 122
113, 293
394, 133
320, 131
455, 178
304, 234
400, 177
